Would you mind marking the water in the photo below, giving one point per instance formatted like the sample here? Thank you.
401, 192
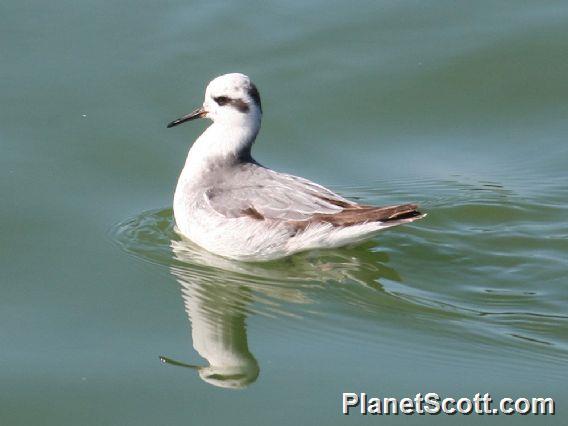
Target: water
460, 106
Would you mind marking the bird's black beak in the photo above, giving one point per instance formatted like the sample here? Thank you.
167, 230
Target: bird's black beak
193, 115
166, 360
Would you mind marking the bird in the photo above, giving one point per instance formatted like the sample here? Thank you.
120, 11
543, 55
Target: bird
234, 207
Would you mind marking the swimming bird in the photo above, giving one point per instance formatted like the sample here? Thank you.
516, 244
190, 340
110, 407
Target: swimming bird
229, 204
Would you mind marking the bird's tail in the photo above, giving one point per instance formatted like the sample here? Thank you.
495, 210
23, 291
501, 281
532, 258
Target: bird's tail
361, 214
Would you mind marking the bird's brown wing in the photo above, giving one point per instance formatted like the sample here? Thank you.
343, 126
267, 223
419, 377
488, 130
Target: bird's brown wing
263, 194
360, 214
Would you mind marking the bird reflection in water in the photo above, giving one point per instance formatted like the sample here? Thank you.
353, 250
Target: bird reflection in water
219, 294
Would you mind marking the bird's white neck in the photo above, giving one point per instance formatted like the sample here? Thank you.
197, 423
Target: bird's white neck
220, 144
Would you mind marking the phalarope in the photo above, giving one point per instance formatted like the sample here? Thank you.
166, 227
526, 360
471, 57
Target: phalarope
232, 206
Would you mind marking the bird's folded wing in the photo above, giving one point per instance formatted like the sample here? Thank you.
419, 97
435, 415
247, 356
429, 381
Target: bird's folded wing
266, 194
259, 193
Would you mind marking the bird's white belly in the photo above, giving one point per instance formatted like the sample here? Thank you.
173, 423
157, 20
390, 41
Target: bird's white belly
241, 238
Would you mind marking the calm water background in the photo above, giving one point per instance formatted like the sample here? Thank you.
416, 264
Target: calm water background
461, 106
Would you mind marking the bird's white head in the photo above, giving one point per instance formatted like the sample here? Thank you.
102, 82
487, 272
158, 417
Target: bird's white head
230, 99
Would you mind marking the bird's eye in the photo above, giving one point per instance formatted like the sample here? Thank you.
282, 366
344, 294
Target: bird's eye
222, 100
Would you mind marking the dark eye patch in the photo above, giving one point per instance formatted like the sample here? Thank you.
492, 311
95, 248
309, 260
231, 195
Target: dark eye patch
222, 100
239, 104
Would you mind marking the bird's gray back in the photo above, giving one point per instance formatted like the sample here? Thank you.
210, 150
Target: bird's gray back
253, 190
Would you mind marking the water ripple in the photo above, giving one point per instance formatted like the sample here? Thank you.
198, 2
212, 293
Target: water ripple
487, 265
